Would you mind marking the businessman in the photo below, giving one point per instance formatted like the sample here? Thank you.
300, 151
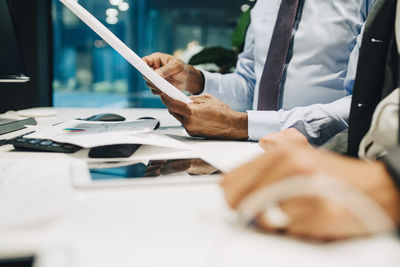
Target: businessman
378, 178
296, 70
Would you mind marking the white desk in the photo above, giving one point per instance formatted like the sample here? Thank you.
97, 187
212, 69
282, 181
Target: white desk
179, 225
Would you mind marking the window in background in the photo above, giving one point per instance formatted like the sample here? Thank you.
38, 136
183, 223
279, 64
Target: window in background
89, 73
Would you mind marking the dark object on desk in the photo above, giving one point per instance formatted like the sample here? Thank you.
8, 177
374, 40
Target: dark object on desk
105, 117
18, 262
41, 145
114, 151
151, 118
12, 68
10, 125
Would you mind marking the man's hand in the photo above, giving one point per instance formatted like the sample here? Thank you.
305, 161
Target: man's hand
208, 117
314, 217
181, 75
289, 136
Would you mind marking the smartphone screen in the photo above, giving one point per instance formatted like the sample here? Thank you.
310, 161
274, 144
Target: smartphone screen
155, 168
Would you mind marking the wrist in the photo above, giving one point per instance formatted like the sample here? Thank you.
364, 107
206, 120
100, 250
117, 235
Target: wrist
240, 126
197, 82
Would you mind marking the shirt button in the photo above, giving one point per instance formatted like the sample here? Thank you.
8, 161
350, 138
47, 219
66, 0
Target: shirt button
360, 105
373, 40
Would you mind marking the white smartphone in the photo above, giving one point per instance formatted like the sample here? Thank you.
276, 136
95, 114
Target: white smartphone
143, 172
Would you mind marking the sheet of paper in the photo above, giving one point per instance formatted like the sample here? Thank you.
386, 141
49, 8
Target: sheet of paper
44, 198
92, 134
144, 139
78, 129
125, 51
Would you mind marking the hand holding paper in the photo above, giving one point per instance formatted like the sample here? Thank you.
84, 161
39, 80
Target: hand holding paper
126, 52
184, 76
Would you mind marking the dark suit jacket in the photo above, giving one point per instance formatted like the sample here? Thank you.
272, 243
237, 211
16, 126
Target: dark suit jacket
377, 76
374, 78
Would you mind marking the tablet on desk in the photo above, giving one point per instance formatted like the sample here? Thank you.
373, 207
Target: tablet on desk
144, 172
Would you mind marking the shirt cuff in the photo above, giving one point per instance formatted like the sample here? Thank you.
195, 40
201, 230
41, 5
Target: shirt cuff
211, 82
262, 123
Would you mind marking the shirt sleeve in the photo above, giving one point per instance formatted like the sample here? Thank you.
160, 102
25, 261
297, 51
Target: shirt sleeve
235, 89
353, 62
318, 122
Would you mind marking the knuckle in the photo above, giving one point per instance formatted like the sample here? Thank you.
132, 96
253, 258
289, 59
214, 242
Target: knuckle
176, 63
161, 71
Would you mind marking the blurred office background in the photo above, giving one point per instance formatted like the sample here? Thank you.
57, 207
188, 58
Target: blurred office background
89, 73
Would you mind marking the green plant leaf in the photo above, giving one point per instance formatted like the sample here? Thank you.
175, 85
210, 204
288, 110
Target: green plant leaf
221, 56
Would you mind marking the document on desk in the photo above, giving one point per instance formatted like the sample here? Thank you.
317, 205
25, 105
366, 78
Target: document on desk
92, 134
125, 51
33, 191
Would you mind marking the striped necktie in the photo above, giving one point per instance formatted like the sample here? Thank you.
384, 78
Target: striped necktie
268, 96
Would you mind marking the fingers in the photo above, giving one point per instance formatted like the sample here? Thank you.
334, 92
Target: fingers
286, 137
165, 65
245, 179
156, 91
302, 213
314, 218
177, 116
156, 60
171, 67
313, 211
175, 106
153, 88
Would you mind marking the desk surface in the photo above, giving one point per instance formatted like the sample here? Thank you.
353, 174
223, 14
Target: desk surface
177, 225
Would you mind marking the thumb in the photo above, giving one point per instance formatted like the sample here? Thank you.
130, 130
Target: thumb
171, 68
160, 72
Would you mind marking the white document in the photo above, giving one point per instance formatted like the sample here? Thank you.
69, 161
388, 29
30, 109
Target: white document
91, 134
33, 191
78, 129
126, 52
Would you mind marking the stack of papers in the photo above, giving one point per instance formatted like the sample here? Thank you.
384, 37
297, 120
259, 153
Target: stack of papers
92, 134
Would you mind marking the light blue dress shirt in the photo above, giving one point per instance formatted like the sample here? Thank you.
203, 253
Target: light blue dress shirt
320, 76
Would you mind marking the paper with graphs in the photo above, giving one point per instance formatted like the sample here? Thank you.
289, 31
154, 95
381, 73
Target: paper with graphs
92, 134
